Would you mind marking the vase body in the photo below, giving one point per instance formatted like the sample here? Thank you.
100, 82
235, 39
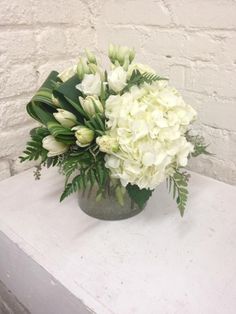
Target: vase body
109, 206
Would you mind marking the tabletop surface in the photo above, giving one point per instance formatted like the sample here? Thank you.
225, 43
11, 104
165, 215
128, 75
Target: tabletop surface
155, 262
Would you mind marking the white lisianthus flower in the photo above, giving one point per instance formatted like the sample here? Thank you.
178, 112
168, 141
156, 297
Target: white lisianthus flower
91, 85
107, 144
67, 73
142, 68
91, 105
54, 147
149, 125
117, 79
83, 135
65, 118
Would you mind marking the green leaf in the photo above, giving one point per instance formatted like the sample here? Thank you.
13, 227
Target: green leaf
68, 96
178, 183
139, 196
137, 78
61, 133
72, 187
200, 147
43, 100
34, 149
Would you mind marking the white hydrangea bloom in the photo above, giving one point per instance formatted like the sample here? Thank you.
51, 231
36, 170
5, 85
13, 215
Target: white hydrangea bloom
149, 123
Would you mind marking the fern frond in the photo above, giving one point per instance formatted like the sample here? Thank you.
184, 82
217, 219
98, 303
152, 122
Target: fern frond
90, 170
34, 149
72, 187
178, 185
137, 78
200, 147
152, 77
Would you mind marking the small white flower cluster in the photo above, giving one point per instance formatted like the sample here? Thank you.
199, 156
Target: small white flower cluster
149, 125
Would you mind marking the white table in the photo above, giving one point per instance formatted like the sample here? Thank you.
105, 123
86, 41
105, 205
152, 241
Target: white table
57, 260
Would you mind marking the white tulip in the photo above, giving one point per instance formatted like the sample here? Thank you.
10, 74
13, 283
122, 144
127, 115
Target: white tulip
91, 105
65, 118
83, 135
91, 84
54, 147
117, 79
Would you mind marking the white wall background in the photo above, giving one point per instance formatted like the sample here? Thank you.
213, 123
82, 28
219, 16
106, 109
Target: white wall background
192, 42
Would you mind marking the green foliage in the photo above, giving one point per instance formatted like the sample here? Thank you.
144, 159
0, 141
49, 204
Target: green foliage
178, 185
34, 149
137, 78
96, 124
89, 168
199, 145
68, 96
62, 134
41, 106
139, 196
53, 161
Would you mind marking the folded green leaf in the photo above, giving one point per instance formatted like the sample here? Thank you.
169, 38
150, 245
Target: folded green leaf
61, 133
43, 100
139, 196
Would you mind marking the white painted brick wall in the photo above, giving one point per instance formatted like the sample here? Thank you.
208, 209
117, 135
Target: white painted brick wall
192, 42
35, 38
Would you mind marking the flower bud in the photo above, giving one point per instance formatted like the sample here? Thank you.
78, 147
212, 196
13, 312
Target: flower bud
131, 55
55, 101
82, 68
85, 65
80, 71
65, 118
122, 53
83, 135
126, 63
111, 52
54, 147
91, 105
90, 56
107, 144
93, 68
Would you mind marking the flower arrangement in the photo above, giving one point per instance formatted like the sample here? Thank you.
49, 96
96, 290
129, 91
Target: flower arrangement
126, 128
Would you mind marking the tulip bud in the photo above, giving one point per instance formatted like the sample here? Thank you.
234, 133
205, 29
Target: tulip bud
126, 63
131, 55
91, 105
83, 135
90, 56
55, 101
82, 68
65, 118
80, 71
93, 68
111, 52
107, 144
122, 53
53, 147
